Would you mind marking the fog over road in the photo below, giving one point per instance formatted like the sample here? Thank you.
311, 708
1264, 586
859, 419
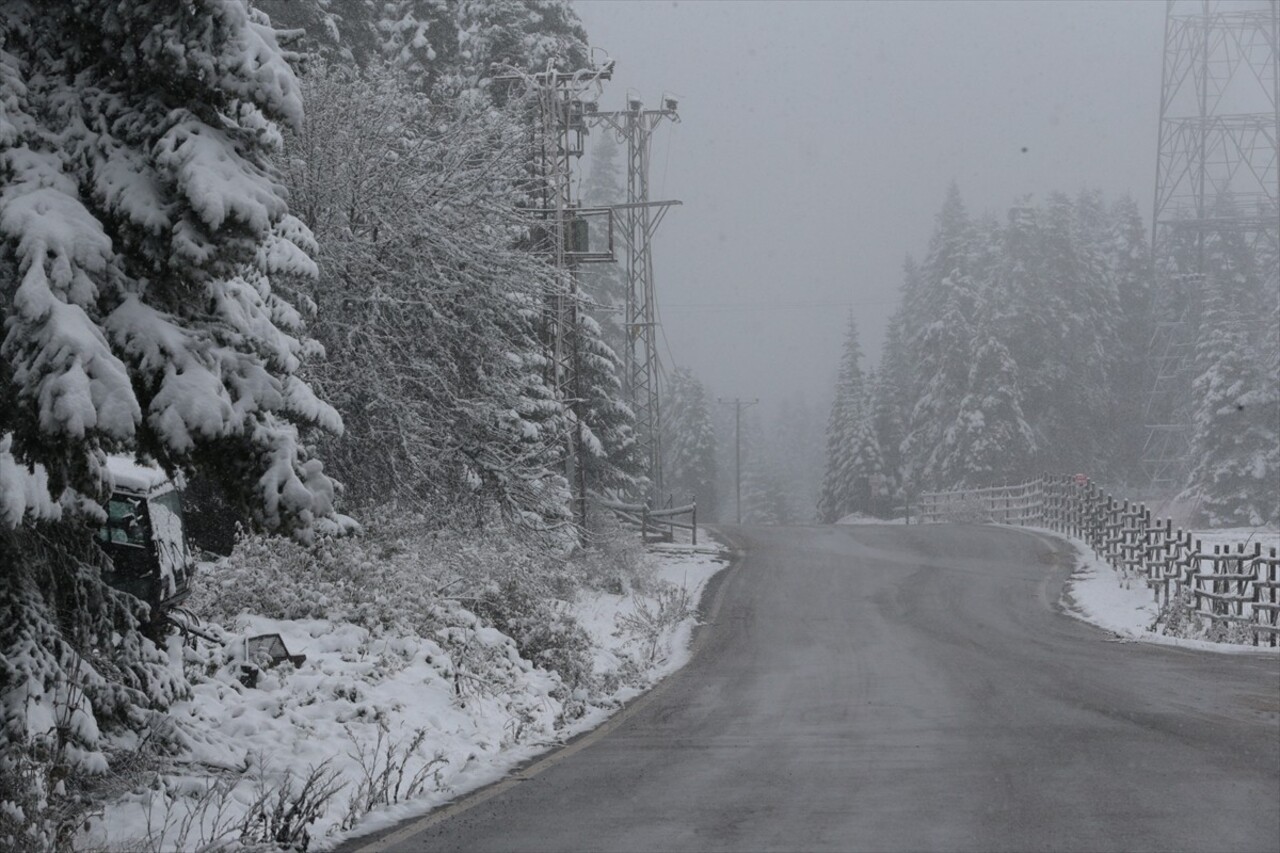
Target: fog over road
911, 688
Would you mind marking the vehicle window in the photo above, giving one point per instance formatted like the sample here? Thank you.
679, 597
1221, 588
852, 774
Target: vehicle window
126, 522
166, 526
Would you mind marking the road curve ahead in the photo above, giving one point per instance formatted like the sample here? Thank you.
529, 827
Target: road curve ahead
911, 688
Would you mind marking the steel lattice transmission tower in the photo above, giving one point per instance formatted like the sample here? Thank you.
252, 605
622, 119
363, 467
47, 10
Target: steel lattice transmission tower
641, 217
562, 99
1217, 177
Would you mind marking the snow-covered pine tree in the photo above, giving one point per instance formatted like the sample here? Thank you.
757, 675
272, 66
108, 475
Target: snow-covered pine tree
341, 32
526, 35
1236, 415
1237, 420
832, 497
141, 229
689, 443
605, 285
447, 47
615, 465
796, 444
890, 403
421, 38
990, 440
1073, 410
939, 341
1268, 255
143, 217
1129, 260
764, 497
444, 48
603, 288
842, 491
868, 488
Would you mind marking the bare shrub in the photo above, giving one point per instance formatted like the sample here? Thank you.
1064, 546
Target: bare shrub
385, 777
203, 819
282, 813
651, 620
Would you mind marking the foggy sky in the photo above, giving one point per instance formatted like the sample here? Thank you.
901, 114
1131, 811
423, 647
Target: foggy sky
818, 139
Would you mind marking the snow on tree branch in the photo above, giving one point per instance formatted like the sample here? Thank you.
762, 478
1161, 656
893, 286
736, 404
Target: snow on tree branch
142, 213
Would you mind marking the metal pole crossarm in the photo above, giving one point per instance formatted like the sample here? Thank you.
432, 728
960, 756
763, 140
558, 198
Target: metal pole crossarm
639, 204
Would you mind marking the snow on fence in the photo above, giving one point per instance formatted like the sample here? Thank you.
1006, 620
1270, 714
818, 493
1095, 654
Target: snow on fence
656, 525
1226, 586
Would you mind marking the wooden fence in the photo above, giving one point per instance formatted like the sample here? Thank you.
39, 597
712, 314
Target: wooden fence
1227, 586
656, 525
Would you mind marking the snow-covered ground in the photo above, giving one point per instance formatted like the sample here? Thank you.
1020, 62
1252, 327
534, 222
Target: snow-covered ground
859, 518
1233, 536
387, 721
1099, 594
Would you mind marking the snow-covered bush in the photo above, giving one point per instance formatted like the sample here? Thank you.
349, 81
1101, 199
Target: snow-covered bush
615, 561
399, 578
524, 606
651, 620
1178, 617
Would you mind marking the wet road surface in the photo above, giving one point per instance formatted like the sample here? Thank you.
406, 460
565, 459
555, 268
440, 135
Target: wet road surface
909, 688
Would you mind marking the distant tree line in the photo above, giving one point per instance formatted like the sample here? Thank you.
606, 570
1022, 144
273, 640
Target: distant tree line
1022, 346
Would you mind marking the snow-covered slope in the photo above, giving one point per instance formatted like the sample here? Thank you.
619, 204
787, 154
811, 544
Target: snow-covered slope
384, 725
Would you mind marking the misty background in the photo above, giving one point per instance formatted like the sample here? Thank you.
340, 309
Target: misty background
818, 139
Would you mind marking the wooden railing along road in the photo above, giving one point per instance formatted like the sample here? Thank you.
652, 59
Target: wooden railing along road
1226, 586
656, 525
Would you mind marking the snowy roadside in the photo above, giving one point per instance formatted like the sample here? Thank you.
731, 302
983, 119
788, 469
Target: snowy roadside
387, 727
859, 518
1098, 594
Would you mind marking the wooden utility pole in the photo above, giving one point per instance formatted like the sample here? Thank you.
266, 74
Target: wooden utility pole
738, 404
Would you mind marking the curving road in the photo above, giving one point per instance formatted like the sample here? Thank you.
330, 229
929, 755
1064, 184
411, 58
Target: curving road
906, 688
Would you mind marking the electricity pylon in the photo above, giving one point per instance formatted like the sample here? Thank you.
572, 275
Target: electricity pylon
641, 217
1217, 176
559, 128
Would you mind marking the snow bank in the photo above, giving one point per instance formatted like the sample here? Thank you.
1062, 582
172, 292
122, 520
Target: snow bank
1230, 537
859, 518
1098, 594
392, 722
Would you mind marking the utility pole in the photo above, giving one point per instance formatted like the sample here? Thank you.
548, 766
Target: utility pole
635, 126
738, 405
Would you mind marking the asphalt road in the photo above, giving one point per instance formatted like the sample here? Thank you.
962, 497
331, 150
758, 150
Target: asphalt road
909, 688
